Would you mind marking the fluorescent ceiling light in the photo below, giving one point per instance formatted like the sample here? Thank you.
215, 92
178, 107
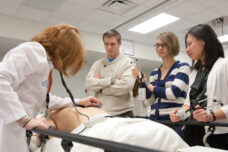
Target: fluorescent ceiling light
223, 38
154, 23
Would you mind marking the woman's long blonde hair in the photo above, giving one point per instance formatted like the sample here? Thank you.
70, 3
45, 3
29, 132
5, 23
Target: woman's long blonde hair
63, 43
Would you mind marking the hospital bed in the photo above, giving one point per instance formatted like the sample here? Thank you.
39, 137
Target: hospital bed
104, 128
137, 132
107, 145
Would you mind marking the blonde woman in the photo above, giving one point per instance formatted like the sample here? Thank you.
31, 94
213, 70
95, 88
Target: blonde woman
168, 85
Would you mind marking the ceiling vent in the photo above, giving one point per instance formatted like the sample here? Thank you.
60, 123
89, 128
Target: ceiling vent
118, 6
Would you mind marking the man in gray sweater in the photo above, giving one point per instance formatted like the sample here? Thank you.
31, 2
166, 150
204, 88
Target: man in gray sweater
111, 77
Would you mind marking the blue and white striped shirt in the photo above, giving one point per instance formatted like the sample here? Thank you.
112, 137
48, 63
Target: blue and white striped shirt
170, 92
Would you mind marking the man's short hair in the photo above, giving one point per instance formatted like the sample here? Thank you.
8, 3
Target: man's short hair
112, 33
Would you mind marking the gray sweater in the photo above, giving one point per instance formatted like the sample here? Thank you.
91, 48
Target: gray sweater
115, 97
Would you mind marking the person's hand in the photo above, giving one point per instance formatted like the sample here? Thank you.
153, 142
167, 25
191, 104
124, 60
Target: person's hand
135, 72
97, 76
151, 87
173, 116
144, 78
37, 122
90, 101
201, 115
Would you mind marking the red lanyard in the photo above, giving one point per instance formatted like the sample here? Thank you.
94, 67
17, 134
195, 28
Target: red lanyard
49, 82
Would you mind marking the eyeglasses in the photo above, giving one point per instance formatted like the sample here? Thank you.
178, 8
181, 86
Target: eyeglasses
162, 45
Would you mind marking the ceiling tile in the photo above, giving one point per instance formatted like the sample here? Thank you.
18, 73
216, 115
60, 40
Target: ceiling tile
222, 8
70, 12
87, 16
89, 3
134, 12
101, 17
140, 1
87, 26
209, 3
9, 7
33, 14
117, 22
204, 16
44, 5
180, 25
103, 29
184, 8
61, 18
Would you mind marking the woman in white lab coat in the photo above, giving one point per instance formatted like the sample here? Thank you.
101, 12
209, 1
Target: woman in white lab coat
24, 74
208, 80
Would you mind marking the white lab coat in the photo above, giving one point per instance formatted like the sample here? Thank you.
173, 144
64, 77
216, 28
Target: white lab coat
24, 75
217, 88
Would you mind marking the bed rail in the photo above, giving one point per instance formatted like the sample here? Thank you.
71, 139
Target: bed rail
193, 123
108, 146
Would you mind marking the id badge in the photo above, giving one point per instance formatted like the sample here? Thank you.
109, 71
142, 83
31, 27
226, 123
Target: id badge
142, 94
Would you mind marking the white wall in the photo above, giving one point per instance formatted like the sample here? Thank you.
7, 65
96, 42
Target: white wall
76, 84
184, 57
22, 29
226, 52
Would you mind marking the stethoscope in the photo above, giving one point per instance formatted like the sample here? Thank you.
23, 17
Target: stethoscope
71, 96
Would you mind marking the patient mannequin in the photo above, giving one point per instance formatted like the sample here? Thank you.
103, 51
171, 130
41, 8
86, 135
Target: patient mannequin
67, 119
133, 131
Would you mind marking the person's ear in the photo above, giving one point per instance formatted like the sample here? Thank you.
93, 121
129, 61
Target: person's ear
58, 64
202, 42
120, 43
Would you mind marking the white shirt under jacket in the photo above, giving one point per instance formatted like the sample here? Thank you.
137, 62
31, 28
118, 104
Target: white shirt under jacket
24, 75
217, 87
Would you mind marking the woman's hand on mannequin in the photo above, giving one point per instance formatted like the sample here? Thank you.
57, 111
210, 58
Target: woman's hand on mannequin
37, 122
90, 101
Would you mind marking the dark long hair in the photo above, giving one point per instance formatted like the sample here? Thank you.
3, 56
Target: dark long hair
213, 48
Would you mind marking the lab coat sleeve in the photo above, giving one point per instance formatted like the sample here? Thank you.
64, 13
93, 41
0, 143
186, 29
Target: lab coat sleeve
123, 85
96, 84
18, 64
59, 102
225, 110
225, 72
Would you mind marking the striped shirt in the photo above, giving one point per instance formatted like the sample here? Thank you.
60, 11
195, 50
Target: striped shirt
170, 92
